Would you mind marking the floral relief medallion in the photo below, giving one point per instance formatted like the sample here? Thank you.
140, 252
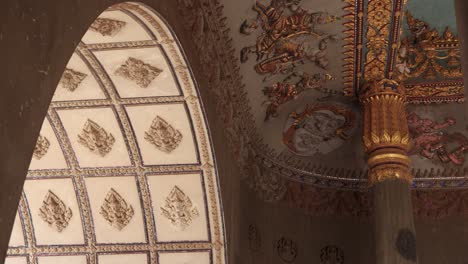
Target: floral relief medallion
138, 71
286, 249
179, 209
95, 138
163, 136
41, 148
116, 211
331, 255
54, 212
106, 26
71, 79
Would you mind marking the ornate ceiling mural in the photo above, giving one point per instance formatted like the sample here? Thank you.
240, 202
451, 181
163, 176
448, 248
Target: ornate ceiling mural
302, 63
123, 170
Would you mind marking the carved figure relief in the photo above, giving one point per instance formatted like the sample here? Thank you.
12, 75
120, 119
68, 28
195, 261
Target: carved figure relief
318, 129
285, 28
255, 238
285, 91
331, 255
138, 71
41, 148
430, 140
179, 209
286, 249
71, 79
54, 212
163, 136
107, 27
95, 138
116, 211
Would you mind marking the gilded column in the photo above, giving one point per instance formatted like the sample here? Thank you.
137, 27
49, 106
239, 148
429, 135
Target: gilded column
386, 142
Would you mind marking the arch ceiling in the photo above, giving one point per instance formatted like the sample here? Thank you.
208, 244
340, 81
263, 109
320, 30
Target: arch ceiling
123, 170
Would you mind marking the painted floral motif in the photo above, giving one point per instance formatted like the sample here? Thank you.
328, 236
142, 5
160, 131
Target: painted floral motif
116, 211
41, 148
431, 140
71, 79
318, 129
331, 255
163, 136
138, 71
179, 209
95, 138
107, 26
54, 212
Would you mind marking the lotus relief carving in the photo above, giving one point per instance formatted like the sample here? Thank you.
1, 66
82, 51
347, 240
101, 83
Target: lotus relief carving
71, 79
54, 212
106, 26
179, 209
96, 139
163, 136
116, 211
138, 71
41, 148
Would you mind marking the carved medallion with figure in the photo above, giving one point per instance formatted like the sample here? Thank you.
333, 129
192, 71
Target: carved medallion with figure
179, 209
318, 129
41, 148
287, 249
96, 138
331, 255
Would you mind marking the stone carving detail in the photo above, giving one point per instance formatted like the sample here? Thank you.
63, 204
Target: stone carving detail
431, 140
331, 255
71, 79
287, 249
106, 26
318, 129
255, 238
115, 210
179, 209
41, 148
54, 212
405, 244
138, 71
163, 136
95, 138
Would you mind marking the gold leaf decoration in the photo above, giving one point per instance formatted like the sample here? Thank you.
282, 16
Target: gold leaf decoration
71, 79
138, 71
41, 148
162, 135
54, 212
179, 209
95, 138
107, 26
116, 211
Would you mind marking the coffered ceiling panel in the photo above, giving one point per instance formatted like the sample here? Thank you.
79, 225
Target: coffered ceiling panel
123, 170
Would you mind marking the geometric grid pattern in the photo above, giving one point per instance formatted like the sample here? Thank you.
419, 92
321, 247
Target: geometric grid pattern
123, 170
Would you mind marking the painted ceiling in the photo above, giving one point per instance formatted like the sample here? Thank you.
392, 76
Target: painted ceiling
123, 170
302, 63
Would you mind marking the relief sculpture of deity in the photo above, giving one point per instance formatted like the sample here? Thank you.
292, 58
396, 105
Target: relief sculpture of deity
318, 129
285, 29
430, 140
